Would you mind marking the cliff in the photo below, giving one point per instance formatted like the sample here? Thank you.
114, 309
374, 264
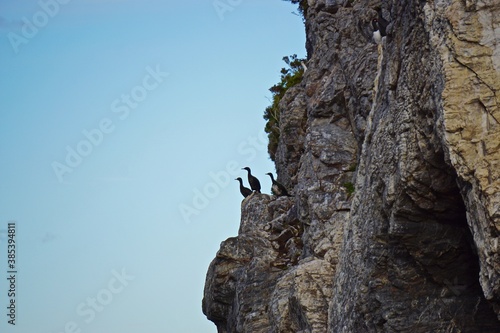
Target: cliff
413, 126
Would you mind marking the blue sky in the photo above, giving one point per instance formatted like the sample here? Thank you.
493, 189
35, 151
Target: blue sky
123, 124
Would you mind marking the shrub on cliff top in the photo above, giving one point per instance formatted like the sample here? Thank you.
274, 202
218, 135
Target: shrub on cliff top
289, 77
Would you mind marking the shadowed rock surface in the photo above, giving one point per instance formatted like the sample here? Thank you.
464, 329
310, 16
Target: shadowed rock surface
413, 125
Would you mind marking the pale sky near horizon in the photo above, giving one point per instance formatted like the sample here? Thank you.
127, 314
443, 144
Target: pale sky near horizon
123, 124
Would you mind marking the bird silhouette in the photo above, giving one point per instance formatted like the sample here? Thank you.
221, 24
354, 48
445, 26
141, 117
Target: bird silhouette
277, 188
253, 181
245, 191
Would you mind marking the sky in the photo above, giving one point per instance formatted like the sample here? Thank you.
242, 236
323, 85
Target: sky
123, 124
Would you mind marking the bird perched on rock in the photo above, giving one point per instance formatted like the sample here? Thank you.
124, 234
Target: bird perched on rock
379, 29
277, 188
254, 182
245, 191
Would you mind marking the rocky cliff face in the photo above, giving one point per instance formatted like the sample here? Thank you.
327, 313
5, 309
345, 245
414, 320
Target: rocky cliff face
414, 125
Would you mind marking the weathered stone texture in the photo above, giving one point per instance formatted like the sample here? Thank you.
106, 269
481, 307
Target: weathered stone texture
413, 126
469, 47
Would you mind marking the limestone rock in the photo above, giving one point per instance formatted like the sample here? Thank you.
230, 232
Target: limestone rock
393, 152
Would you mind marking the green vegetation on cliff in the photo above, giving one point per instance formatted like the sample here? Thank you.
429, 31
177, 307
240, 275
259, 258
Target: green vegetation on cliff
289, 77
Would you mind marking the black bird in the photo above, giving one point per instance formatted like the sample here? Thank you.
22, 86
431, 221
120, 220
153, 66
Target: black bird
379, 28
245, 191
277, 188
254, 182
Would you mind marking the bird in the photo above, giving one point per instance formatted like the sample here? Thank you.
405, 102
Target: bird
277, 188
379, 29
245, 191
253, 181
377, 35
